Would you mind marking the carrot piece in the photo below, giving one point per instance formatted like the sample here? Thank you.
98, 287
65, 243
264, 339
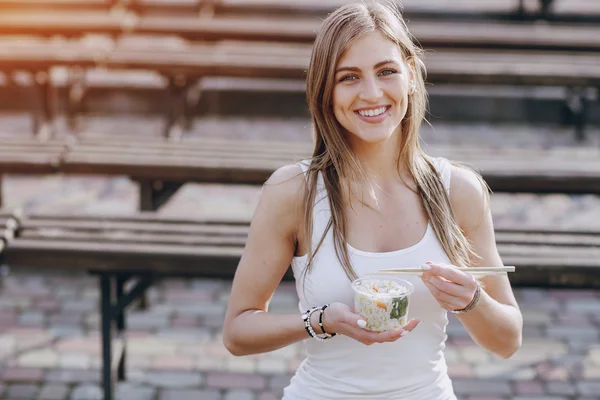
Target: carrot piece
375, 288
380, 304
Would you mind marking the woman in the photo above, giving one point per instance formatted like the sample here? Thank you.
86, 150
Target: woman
369, 198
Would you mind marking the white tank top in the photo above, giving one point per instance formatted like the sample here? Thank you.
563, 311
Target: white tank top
413, 367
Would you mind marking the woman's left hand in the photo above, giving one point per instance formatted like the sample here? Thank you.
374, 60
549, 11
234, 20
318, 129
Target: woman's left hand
452, 288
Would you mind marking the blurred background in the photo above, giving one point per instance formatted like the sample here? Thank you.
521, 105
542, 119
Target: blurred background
135, 135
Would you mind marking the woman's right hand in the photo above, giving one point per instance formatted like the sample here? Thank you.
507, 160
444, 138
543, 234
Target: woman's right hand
340, 318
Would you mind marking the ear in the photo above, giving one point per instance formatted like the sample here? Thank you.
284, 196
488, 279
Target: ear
412, 75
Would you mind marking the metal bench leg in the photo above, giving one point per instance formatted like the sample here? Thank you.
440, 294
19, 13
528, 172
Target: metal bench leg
577, 104
106, 294
121, 327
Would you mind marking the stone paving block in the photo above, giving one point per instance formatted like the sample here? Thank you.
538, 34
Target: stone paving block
18, 374
32, 318
536, 317
239, 395
186, 335
529, 388
130, 391
147, 320
201, 309
185, 321
278, 382
224, 380
74, 360
53, 392
268, 396
481, 387
271, 366
69, 319
186, 296
588, 388
475, 354
173, 362
591, 372
171, 379
180, 394
552, 373
460, 370
87, 392
151, 346
561, 388
211, 364
215, 322
65, 331
72, 376
486, 398
47, 305
22, 391
590, 306
498, 370
241, 364
41, 359
88, 345
572, 332
529, 397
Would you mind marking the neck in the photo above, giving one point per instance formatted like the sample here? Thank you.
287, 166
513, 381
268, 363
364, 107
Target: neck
380, 160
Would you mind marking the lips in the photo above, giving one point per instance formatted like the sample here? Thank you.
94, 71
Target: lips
373, 114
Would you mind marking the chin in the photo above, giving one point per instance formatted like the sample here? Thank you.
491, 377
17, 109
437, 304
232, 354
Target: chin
374, 137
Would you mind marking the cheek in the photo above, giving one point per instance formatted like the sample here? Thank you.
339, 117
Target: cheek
340, 104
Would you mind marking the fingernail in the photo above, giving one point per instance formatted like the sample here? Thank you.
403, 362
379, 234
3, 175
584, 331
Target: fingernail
362, 323
425, 267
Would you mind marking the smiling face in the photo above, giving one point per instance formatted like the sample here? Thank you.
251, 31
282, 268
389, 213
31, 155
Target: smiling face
372, 84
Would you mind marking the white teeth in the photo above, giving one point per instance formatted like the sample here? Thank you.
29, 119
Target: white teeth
372, 113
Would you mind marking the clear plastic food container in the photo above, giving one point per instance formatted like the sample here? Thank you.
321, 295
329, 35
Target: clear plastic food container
382, 302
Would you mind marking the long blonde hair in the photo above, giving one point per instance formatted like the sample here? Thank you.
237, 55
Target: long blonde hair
332, 156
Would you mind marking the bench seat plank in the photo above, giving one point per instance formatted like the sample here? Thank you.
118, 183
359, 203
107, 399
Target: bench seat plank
289, 61
210, 248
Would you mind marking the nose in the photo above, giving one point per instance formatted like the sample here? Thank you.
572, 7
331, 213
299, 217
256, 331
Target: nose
370, 90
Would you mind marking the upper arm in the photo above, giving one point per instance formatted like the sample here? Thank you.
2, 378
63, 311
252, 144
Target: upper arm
470, 203
271, 242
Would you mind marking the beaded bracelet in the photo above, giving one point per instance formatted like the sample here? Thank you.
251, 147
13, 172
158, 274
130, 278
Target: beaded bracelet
321, 322
473, 302
309, 329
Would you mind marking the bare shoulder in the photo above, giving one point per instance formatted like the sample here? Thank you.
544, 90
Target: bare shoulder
282, 197
468, 196
285, 184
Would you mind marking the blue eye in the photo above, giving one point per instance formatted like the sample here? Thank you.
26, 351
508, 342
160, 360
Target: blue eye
348, 78
388, 71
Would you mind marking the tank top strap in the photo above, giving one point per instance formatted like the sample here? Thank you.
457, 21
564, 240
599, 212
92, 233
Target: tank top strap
304, 164
444, 169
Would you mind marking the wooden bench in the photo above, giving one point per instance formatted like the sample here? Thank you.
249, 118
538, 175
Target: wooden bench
184, 66
430, 33
161, 168
558, 10
144, 248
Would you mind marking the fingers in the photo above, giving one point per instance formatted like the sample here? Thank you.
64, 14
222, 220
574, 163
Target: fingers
368, 337
412, 324
446, 288
452, 274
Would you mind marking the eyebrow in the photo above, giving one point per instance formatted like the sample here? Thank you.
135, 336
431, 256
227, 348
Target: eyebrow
356, 69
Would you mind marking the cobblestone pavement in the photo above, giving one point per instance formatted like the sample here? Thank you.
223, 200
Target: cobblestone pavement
49, 343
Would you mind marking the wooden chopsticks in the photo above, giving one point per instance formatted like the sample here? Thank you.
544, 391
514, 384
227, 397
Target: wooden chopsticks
470, 270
